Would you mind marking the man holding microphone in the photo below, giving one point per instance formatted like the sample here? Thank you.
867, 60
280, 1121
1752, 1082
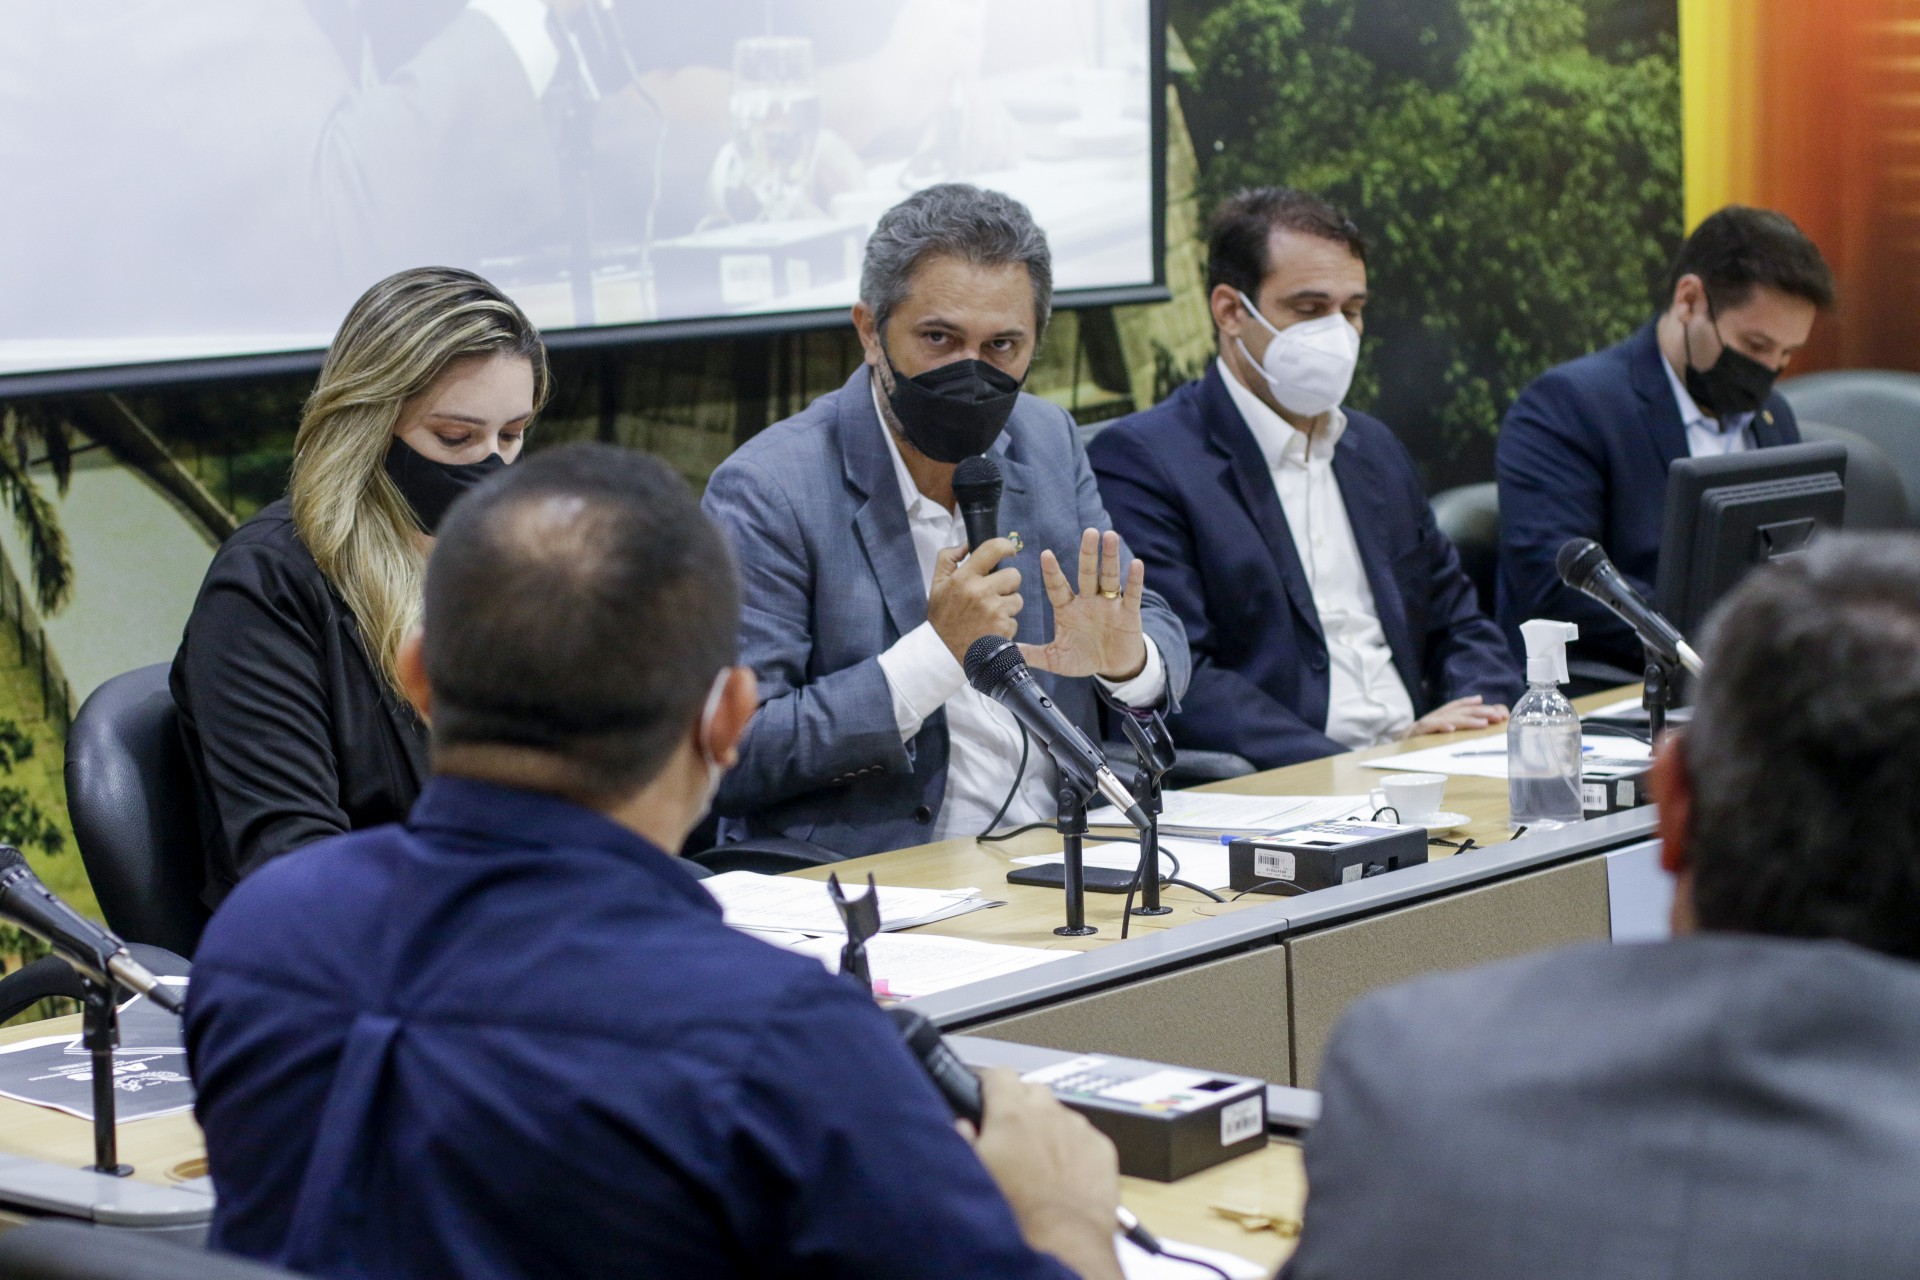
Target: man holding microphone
859, 596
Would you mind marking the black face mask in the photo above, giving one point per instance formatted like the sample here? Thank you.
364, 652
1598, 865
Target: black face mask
955, 411
1734, 384
430, 487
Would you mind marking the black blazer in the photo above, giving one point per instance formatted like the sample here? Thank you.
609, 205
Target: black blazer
1584, 453
291, 731
1189, 490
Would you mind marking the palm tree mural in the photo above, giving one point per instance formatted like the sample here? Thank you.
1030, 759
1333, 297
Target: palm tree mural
28, 430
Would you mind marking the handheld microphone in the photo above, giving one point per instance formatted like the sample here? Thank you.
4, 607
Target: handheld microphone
976, 488
1583, 565
91, 950
994, 667
961, 1088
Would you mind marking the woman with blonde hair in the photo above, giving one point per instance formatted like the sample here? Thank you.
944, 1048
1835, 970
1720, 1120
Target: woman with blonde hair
292, 716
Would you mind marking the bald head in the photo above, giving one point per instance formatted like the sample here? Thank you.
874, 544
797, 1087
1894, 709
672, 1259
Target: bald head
579, 605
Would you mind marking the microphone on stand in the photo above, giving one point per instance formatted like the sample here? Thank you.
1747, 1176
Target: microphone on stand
1583, 565
994, 667
93, 952
976, 488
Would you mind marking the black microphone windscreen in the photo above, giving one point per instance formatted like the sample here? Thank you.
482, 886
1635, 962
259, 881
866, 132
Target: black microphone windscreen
976, 480
1577, 560
991, 661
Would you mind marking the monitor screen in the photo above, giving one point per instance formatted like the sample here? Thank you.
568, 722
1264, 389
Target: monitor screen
214, 178
1729, 513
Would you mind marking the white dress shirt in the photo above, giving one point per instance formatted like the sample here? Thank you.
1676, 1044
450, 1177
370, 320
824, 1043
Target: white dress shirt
524, 24
1709, 437
1367, 702
983, 738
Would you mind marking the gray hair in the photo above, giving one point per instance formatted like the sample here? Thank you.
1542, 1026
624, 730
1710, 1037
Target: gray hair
985, 228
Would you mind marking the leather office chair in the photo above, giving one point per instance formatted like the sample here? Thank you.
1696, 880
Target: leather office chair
1881, 404
1470, 517
769, 855
1876, 498
54, 1250
130, 794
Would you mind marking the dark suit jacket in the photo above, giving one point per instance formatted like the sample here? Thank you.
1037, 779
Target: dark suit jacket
1584, 453
1720, 1107
829, 579
1189, 490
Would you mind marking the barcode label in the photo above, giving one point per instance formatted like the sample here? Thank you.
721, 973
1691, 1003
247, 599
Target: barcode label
1241, 1120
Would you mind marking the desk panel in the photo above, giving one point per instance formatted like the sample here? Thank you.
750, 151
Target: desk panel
1331, 968
1226, 1015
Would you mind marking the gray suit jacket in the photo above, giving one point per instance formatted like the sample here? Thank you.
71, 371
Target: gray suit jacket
1721, 1107
829, 580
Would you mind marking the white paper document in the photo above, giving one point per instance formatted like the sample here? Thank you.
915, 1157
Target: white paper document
1487, 757
1200, 861
1185, 811
919, 964
750, 900
1137, 1264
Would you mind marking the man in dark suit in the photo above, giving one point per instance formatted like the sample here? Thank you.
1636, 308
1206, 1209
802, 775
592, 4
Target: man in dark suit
1736, 1103
1324, 609
1584, 451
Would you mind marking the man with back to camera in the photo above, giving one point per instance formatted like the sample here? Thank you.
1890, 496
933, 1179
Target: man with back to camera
1324, 608
512, 1038
1584, 451
1737, 1103
860, 597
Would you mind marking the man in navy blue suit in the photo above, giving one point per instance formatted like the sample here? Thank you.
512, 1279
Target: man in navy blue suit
1324, 609
1584, 451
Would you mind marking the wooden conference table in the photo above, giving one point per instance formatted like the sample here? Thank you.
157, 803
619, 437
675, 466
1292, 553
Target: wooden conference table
1249, 986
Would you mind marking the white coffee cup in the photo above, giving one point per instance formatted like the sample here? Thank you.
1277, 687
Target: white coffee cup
1414, 796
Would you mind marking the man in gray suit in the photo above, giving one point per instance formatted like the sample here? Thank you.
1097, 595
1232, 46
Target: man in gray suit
859, 595
1739, 1103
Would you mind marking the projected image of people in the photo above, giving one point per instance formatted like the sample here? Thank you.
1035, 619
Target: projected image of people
608, 162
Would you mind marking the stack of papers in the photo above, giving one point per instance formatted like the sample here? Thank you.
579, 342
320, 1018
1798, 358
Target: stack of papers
1487, 757
749, 900
1211, 813
905, 965
149, 1067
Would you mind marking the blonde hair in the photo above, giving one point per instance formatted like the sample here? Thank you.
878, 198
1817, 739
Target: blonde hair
395, 342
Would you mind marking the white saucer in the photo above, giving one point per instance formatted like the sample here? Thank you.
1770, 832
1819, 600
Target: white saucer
1439, 824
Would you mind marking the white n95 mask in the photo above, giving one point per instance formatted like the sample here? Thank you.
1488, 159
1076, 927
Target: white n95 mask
1308, 366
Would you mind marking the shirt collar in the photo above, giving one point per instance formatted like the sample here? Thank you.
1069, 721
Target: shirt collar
1691, 414
919, 505
1279, 441
499, 815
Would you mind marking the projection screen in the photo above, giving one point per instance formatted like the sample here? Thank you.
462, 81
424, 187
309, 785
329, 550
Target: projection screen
183, 180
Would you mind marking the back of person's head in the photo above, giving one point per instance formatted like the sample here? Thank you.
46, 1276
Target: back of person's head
580, 605
1740, 249
956, 220
394, 344
1239, 235
1804, 751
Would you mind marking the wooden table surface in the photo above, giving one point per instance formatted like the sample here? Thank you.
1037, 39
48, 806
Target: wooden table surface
1272, 1181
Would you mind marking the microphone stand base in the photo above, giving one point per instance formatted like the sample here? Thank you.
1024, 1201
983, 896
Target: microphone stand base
1153, 911
1069, 931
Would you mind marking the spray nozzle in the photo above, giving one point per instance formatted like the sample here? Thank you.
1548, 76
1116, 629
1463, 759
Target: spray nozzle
1546, 643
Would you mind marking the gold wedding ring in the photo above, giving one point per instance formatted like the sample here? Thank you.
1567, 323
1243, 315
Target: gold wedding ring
1110, 595
1013, 536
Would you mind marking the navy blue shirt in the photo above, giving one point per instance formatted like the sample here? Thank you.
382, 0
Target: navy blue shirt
512, 1038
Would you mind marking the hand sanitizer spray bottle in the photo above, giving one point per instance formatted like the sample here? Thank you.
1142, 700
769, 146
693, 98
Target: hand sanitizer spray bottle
1543, 735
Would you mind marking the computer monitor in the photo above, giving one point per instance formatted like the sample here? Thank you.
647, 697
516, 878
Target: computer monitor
1727, 514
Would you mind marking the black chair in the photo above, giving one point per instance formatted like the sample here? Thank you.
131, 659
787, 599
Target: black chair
1470, 517
1876, 499
130, 794
769, 855
1881, 404
1190, 767
54, 1250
